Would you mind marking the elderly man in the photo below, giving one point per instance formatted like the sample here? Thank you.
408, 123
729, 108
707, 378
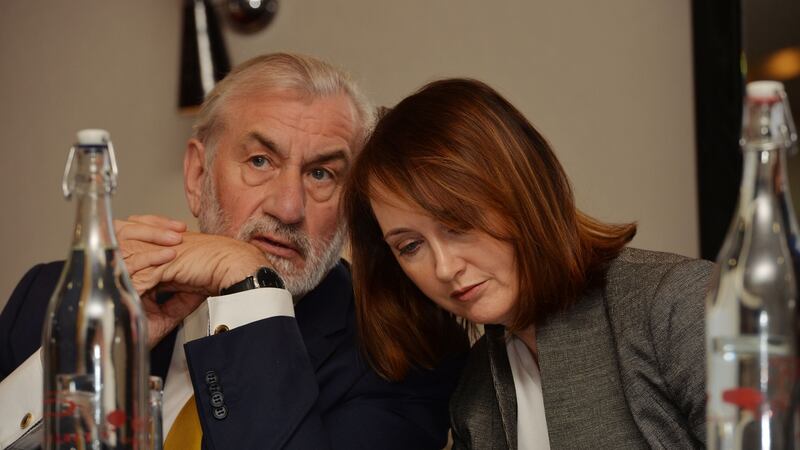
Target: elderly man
263, 174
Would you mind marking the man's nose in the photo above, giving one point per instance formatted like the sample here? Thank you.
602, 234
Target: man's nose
284, 198
448, 263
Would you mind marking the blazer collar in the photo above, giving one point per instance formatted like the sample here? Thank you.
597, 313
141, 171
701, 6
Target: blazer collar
573, 345
503, 382
325, 311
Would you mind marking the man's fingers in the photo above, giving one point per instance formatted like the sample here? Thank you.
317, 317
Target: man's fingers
128, 247
138, 261
159, 221
147, 279
146, 233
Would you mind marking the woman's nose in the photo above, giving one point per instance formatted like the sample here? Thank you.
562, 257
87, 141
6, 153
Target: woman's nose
448, 263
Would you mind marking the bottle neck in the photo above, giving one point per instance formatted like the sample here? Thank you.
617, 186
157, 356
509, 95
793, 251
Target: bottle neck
763, 174
766, 138
92, 192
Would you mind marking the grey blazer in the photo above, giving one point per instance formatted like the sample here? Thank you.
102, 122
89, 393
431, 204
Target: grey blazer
624, 368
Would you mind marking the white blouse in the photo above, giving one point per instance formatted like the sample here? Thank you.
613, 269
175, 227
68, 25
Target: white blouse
531, 421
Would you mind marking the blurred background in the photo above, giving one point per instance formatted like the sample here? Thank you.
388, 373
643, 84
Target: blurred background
610, 84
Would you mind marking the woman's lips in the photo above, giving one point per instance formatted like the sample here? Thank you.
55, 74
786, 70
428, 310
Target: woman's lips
275, 247
469, 293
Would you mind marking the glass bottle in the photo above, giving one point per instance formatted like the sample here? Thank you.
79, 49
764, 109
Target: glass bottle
751, 324
94, 344
784, 131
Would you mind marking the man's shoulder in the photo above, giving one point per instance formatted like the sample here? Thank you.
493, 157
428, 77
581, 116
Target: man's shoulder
342, 272
37, 285
338, 282
23, 315
45, 271
329, 306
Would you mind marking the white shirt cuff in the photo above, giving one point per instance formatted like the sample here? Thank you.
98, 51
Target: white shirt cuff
21, 392
227, 312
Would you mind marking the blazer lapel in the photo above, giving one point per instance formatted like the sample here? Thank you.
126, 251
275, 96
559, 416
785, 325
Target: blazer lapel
584, 402
323, 312
503, 381
161, 355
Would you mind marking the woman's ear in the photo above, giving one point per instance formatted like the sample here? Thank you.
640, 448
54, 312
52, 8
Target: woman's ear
194, 173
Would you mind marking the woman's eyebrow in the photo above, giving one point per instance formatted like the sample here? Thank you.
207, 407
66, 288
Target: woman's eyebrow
395, 231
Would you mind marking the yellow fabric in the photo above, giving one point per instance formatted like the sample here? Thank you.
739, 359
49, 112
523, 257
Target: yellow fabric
185, 433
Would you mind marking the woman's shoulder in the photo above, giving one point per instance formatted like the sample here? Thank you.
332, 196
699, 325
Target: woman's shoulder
656, 306
655, 303
638, 272
654, 298
631, 256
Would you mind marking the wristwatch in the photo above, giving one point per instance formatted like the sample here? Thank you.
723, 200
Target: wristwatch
264, 277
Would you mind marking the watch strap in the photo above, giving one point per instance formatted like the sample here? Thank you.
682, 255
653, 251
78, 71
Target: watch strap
264, 277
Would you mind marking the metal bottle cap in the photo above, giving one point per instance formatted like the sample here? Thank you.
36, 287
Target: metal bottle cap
93, 136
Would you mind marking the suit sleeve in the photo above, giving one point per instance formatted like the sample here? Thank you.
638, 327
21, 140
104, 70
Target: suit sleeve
273, 400
20, 363
677, 323
10, 355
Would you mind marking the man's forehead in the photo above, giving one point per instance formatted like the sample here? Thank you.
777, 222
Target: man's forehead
296, 106
281, 118
332, 114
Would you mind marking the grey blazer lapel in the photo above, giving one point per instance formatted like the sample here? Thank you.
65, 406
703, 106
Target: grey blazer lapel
584, 402
503, 381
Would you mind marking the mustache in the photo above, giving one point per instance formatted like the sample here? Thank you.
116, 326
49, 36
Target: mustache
267, 225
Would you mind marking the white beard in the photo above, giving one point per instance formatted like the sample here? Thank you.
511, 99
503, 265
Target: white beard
319, 255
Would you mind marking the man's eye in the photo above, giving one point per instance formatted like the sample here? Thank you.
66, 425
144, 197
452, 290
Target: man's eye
321, 174
259, 161
410, 249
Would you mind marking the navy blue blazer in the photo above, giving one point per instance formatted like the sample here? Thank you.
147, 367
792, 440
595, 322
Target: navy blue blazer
298, 383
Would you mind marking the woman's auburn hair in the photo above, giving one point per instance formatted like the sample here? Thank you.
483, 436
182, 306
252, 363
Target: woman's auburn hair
470, 159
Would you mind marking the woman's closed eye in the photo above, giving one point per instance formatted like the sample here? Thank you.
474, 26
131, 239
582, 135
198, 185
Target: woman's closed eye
409, 248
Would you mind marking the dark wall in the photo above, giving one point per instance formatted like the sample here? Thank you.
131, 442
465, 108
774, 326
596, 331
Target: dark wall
719, 85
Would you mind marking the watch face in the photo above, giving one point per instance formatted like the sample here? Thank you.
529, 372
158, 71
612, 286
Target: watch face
269, 278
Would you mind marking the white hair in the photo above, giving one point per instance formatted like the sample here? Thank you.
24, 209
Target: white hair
305, 75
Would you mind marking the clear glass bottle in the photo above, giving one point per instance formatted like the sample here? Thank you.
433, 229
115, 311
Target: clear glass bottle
94, 344
751, 323
784, 131
155, 428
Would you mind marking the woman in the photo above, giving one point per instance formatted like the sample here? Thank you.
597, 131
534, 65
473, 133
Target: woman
457, 206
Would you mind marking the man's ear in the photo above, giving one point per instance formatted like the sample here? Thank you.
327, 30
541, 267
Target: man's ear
194, 173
